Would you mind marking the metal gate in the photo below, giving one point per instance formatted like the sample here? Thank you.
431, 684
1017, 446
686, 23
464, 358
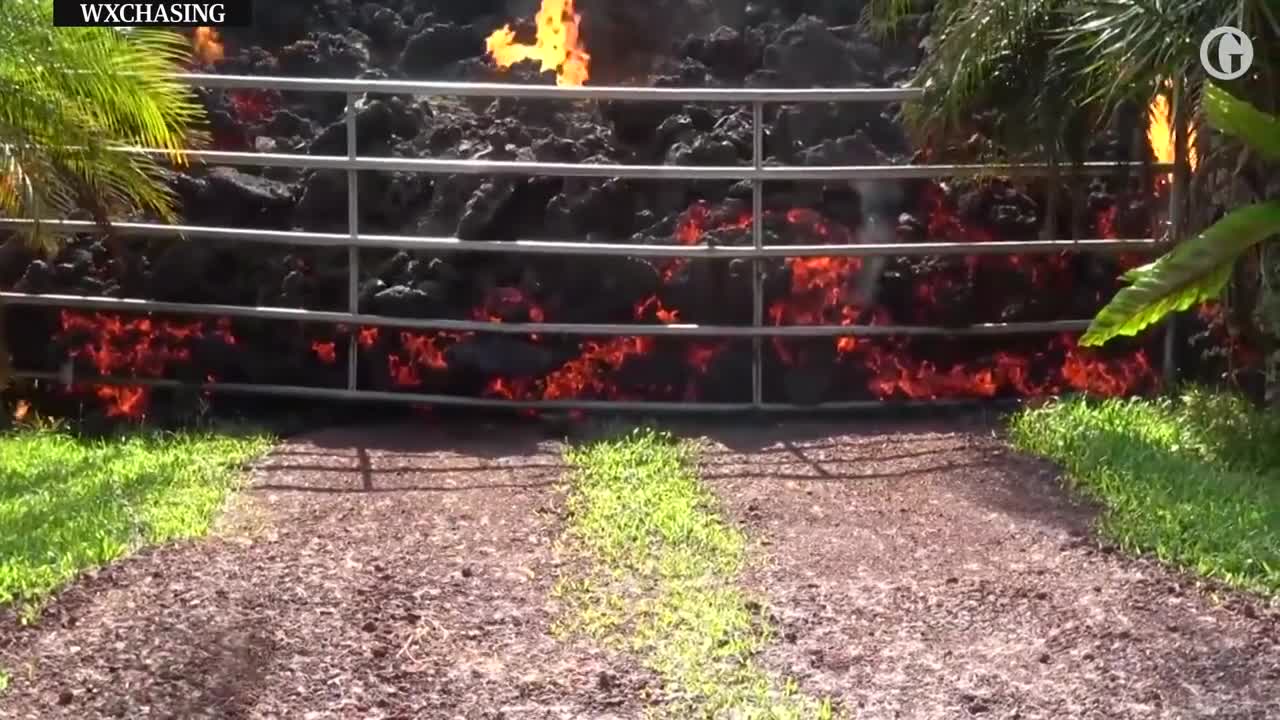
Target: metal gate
757, 173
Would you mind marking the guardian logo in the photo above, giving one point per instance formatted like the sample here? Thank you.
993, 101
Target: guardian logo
1234, 56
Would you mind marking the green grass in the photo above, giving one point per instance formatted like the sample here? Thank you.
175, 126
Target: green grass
661, 581
1195, 480
68, 504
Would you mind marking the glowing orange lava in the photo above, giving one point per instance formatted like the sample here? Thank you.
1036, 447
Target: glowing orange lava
206, 45
557, 46
819, 290
327, 352
138, 347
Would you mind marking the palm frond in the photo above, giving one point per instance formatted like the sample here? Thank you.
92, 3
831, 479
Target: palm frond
883, 17
1193, 272
69, 96
994, 54
1135, 44
1236, 117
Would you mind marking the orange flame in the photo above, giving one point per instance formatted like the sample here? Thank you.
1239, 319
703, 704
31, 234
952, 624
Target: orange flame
557, 45
206, 45
1160, 131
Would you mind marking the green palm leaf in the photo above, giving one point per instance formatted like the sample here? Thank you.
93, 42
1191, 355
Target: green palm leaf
68, 96
1194, 271
1237, 117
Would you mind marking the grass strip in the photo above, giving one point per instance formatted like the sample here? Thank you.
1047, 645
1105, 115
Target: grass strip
662, 581
68, 504
1193, 479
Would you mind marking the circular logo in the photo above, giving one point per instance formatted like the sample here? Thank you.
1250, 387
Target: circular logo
1234, 56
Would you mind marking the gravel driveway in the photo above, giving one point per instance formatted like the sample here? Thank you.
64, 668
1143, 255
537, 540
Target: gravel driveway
913, 571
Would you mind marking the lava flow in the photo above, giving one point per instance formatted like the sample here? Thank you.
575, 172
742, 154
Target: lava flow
137, 347
818, 290
557, 45
821, 291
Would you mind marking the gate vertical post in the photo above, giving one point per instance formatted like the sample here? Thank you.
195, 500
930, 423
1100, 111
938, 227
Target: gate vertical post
1179, 186
757, 241
353, 252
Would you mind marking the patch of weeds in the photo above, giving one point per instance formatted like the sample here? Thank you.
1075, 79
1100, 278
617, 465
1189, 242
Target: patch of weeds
660, 579
4, 681
68, 503
1195, 479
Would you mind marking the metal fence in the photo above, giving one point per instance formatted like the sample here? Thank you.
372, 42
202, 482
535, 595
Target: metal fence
757, 173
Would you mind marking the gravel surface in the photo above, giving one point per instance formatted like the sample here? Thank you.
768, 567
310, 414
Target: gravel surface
930, 572
913, 571
369, 574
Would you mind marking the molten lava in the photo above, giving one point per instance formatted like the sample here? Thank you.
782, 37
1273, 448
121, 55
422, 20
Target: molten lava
206, 45
327, 352
817, 290
557, 46
138, 347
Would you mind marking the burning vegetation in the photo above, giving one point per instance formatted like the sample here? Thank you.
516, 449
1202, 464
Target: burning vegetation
206, 45
1160, 134
557, 46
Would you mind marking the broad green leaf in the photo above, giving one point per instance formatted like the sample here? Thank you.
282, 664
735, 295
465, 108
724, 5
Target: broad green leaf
1233, 116
1192, 272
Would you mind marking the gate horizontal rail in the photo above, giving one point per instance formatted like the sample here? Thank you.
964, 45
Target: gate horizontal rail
127, 305
700, 251
757, 172
771, 173
301, 391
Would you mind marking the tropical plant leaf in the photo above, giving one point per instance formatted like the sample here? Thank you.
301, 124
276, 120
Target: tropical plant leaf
1194, 271
68, 98
1236, 117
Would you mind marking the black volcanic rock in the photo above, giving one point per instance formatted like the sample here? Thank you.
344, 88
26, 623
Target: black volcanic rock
438, 45
15, 258
1002, 208
323, 201
379, 124
229, 197
181, 272
485, 205
387, 200
383, 25
726, 52
853, 149
808, 54
489, 355
636, 123
404, 301
327, 55
38, 278
286, 123
705, 150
